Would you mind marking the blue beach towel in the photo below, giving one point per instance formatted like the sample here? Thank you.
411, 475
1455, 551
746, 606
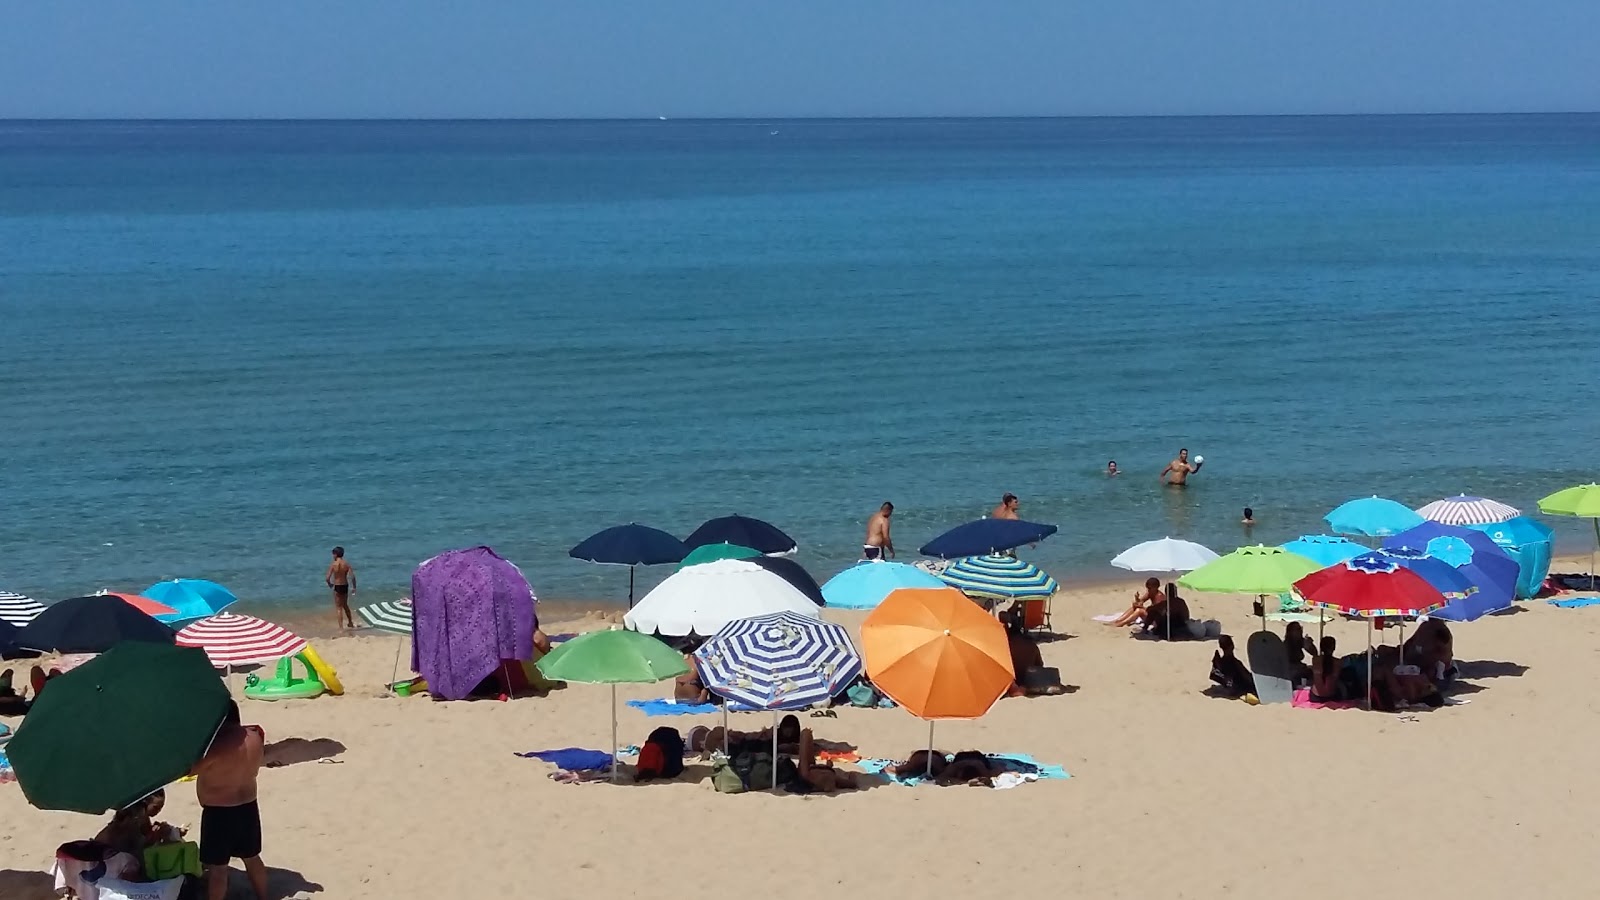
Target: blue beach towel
1010, 762
660, 707
1575, 602
573, 759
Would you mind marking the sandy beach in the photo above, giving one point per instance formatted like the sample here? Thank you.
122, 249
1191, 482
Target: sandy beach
1172, 794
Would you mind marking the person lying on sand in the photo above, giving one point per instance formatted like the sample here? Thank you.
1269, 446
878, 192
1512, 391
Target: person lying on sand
968, 767
788, 738
820, 776
1142, 601
917, 764
1228, 672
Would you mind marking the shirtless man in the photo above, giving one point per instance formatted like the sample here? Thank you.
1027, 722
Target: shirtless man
1007, 508
341, 578
230, 820
1180, 469
878, 544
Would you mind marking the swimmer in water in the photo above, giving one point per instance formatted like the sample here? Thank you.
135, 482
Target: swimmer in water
1111, 469
1180, 469
1249, 518
1007, 508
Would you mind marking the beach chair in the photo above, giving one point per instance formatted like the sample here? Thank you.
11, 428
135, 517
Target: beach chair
1036, 613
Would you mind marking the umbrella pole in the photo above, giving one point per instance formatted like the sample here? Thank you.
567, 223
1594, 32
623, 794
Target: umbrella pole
630, 587
613, 733
774, 751
727, 742
930, 748
394, 671
1369, 665
1591, 553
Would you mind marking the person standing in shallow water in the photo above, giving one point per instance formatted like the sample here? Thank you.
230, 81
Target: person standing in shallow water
341, 578
1007, 508
879, 545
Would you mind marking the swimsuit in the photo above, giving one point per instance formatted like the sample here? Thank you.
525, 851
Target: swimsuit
341, 590
870, 552
229, 832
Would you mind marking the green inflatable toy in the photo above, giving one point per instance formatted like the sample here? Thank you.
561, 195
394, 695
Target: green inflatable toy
285, 685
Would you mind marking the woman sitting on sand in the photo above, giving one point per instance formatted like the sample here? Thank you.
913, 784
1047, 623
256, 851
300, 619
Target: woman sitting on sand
1326, 684
1168, 616
1142, 601
1431, 649
1230, 674
1295, 646
688, 688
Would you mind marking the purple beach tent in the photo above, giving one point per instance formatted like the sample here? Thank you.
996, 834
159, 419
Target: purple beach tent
473, 617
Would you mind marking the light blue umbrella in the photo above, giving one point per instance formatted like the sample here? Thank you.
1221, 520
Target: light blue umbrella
998, 578
1372, 516
1325, 549
1517, 532
865, 584
1528, 541
192, 598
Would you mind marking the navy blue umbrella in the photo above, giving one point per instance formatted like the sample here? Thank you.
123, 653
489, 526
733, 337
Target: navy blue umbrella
91, 624
630, 545
743, 531
8, 643
795, 574
986, 536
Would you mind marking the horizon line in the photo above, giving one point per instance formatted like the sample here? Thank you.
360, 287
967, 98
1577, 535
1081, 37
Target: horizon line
773, 118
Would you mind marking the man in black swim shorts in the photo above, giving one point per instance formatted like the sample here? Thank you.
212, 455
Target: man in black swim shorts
341, 578
230, 818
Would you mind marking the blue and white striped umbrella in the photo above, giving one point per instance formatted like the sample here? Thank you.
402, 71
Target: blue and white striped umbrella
998, 578
19, 610
779, 661
1465, 510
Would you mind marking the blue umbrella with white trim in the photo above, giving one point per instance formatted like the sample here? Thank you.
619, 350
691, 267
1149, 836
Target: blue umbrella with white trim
1326, 549
998, 578
866, 584
778, 662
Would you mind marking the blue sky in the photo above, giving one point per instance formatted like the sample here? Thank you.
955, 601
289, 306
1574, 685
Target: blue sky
678, 58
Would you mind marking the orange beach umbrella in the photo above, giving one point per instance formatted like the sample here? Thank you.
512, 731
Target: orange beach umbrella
937, 653
140, 602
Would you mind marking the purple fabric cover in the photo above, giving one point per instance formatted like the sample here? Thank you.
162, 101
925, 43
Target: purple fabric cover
471, 609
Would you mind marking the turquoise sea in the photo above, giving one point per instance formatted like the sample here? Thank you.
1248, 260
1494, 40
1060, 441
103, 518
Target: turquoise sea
226, 347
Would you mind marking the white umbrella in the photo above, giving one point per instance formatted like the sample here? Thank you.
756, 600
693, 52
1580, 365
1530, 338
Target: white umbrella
701, 599
1167, 555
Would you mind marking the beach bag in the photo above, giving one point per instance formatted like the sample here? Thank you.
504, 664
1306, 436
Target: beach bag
116, 889
670, 743
172, 860
862, 695
761, 772
725, 779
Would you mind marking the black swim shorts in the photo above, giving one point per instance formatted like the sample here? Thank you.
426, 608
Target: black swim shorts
229, 832
341, 590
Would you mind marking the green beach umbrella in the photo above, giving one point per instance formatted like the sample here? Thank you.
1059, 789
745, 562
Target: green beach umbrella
613, 657
117, 728
1583, 501
713, 552
1258, 570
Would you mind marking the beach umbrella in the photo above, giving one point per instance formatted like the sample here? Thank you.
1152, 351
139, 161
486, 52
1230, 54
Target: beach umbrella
778, 662
982, 537
113, 730
865, 584
1167, 555
17, 609
744, 531
712, 552
612, 657
1372, 516
1582, 501
1325, 549
390, 615
795, 574
701, 599
1518, 532
230, 639
190, 598
1528, 542
937, 654
630, 545
92, 624
8, 643
1464, 510
1491, 570
1370, 587
998, 578
1258, 570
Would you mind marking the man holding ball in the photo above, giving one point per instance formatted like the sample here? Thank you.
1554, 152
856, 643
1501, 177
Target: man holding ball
1180, 469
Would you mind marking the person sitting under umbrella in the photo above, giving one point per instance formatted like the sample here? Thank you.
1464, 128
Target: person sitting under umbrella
1431, 650
819, 776
688, 688
1033, 677
1142, 601
1169, 616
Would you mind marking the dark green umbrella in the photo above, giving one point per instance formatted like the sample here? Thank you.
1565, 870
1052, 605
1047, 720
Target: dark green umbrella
106, 734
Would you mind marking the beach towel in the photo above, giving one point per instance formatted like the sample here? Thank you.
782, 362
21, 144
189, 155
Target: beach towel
1302, 700
1575, 602
663, 707
1020, 766
573, 759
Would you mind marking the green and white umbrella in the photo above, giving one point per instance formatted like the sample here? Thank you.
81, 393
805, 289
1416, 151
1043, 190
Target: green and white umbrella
390, 615
998, 577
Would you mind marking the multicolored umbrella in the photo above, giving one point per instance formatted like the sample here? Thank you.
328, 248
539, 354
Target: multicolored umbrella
1464, 510
190, 598
865, 584
113, 730
612, 657
937, 654
18, 609
1582, 501
390, 615
1325, 549
982, 537
230, 639
1373, 517
781, 661
712, 552
998, 578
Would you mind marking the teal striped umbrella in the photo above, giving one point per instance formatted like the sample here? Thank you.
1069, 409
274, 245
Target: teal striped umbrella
998, 578
390, 615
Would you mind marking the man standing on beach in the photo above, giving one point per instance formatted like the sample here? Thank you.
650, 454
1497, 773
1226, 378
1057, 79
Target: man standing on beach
1007, 508
878, 544
1180, 469
341, 578
230, 819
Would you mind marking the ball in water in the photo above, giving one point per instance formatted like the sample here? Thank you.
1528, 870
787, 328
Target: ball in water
1199, 460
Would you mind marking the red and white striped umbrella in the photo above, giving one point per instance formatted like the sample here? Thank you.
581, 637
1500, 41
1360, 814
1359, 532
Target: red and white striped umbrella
230, 639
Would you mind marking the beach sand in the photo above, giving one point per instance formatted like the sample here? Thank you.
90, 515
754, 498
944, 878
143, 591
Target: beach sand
1173, 793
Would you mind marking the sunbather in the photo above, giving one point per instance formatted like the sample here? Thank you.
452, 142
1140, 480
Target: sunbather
688, 688
1142, 601
1326, 685
821, 776
920, 764
788, 737
1296, 645
1033, 677
1431, 649
1229, 672
1169, 616
968, 767
133, 828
